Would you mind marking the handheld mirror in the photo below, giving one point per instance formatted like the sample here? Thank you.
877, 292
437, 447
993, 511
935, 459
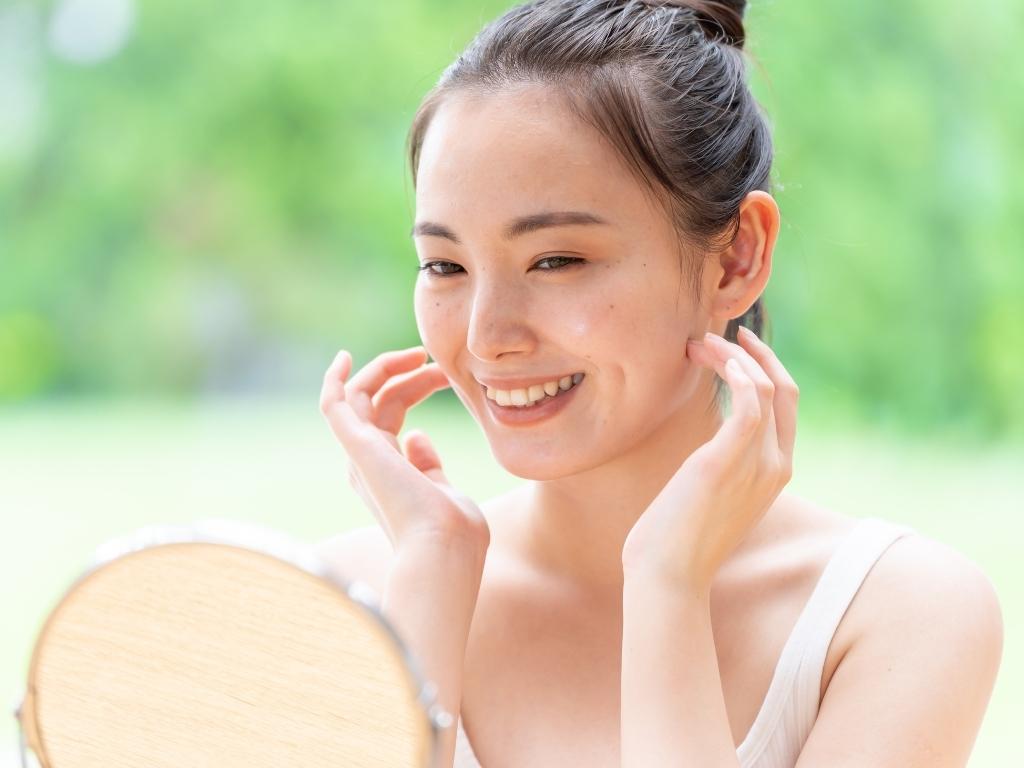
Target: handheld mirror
222, 644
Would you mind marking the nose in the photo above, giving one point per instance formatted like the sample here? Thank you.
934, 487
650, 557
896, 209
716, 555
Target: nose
499, 322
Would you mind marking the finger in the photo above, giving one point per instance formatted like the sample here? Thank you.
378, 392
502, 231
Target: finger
333, 404
376, 373
399, 395
763, 383
787, 393
333, 395
386, 475
422, 455
699, 353
392, 483
333, 389
743, 424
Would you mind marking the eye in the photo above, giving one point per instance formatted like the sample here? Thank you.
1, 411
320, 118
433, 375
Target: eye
427, 268
568, 259
441, 268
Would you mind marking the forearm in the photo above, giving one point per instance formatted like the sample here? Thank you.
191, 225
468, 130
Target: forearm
673, 710
430, 597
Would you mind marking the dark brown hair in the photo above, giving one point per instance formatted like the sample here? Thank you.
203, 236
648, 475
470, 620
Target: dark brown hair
664, 81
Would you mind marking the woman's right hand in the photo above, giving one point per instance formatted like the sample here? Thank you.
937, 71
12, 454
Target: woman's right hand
407, 491
439, 535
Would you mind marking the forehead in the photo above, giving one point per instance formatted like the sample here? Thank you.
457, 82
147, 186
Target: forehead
519, 151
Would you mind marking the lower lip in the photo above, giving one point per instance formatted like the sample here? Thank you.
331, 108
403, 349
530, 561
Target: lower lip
511, 416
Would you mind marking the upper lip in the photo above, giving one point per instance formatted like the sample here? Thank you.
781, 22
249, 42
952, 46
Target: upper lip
521, 382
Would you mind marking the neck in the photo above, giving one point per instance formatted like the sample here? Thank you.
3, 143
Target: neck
574, 527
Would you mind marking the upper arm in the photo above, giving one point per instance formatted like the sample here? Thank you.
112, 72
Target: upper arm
361, 554
913, 688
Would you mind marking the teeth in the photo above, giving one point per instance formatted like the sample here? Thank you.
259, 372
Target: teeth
522, 398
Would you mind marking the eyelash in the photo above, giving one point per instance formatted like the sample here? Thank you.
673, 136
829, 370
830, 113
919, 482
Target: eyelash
425, 268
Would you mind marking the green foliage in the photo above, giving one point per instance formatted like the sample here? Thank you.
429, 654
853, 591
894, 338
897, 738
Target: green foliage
225, 203
896, 159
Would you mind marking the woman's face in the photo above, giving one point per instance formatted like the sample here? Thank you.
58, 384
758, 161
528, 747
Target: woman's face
603, 299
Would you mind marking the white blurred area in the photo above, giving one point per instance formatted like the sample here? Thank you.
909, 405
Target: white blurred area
90, 31
77, 31
20, 82
12, 759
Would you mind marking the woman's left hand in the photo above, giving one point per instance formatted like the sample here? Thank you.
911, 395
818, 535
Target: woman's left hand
724, 487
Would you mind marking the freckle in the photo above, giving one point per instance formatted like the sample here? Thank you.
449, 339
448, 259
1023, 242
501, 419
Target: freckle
437, 303
611, 306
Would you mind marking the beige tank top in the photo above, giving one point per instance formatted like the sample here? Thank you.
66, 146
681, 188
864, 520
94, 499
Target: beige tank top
791, 704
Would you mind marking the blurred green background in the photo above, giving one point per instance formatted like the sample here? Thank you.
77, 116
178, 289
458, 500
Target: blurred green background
200, 203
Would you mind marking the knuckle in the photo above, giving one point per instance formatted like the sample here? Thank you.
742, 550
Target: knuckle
744, 381
713, 466
748, 422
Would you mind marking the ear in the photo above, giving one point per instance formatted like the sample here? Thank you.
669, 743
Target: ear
747, 264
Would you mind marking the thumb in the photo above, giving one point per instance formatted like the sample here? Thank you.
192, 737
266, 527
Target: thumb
421, 454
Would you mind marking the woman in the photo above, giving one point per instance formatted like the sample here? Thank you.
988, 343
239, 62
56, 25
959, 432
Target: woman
594, 227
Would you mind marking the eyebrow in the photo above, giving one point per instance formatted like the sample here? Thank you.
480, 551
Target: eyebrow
516, 227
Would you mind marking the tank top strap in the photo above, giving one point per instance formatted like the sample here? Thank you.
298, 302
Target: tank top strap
791, 705
837, 587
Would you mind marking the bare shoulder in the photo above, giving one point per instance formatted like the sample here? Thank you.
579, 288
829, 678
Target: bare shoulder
925, 619
360, 554
929, 588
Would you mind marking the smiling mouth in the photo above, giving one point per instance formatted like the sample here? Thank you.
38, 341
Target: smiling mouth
528, 397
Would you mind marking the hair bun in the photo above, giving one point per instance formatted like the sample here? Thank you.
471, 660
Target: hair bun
721, 20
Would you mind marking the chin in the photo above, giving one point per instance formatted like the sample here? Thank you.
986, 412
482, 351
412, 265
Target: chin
538, 466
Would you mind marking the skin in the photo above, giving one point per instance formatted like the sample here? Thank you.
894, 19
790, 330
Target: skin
622, 318
646, 517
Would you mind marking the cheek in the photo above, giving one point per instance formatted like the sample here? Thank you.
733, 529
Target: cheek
636, 340
436, 321
618, 326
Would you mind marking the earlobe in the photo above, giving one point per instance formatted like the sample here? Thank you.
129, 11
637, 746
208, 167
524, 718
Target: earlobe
746, 263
